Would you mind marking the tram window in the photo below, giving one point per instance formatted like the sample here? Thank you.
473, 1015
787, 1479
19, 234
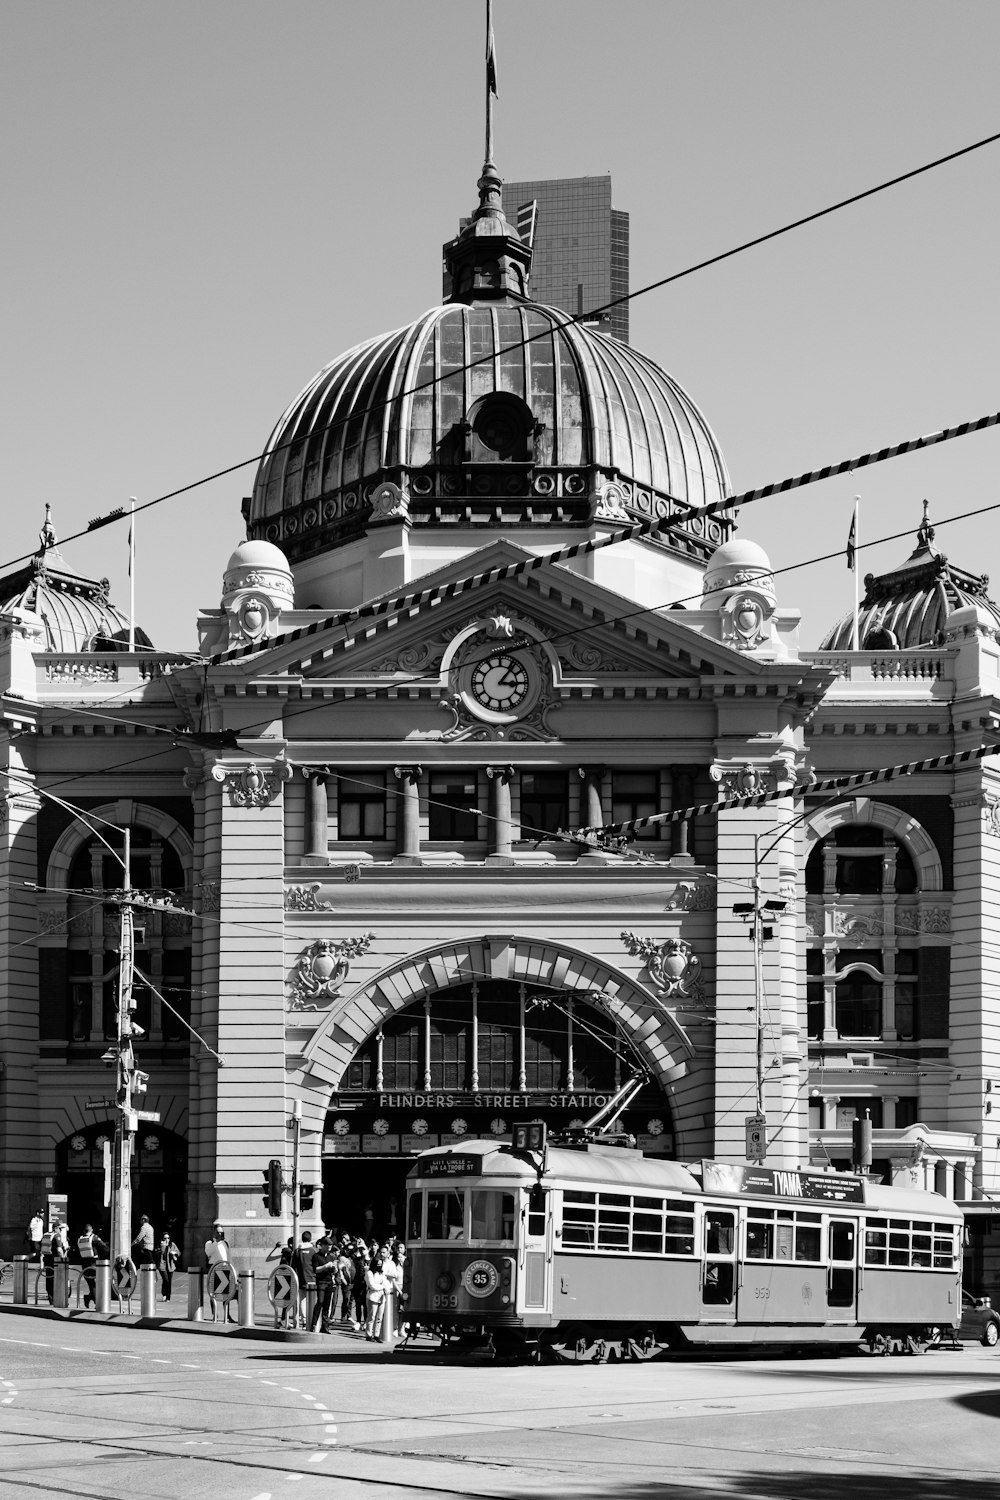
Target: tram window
760, 1240
446, 1215
875, 1247
579, 1218
492, 1216
612, 1227
616, 1200
414, 1216
784, 1240
899, 1249
807, 1242
647, 1232
656, 1204
920, 1252
680, 1234
944, 1252
719, 1234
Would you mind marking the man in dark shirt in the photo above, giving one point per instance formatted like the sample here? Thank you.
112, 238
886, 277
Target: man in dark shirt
324, 1264
302, 1265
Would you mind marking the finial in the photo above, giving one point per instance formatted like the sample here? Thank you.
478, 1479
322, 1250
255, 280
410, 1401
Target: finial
491, 85
925, 531
47, 535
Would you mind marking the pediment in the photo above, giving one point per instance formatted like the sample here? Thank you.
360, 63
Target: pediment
588, 630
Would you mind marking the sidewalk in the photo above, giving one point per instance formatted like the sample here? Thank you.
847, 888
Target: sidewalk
173, 1314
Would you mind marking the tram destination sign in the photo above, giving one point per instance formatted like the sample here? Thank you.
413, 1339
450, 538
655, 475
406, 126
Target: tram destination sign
450, 1166
772, 1182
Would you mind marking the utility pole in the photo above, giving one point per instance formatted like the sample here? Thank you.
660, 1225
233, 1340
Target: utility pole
121, 1191
759, 912
296, 1128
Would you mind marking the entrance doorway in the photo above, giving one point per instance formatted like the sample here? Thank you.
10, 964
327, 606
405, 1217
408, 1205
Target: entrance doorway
366, 1197
159, 1179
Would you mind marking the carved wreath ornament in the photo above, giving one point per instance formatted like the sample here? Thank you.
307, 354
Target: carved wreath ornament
322, 971
673, 966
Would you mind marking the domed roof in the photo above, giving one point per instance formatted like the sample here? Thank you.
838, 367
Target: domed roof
491, 410
76, 612
908, 607
258, 555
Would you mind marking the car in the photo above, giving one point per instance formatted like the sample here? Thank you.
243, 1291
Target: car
979, 1320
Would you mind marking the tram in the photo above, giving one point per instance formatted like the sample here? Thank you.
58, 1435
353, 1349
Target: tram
597, 1252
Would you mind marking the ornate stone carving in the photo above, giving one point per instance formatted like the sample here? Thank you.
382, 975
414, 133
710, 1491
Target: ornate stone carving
609, 505
745, 620
322, 970
211, 897
52, 920
692, 895
814, 919
991, 813
306, 898
499, 627
252, 785
857, 928
746, 780
673, 965
584, 657
911, 919
388, 503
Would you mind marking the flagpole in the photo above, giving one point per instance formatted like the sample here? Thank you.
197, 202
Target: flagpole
489, 91
131, 574
855, 638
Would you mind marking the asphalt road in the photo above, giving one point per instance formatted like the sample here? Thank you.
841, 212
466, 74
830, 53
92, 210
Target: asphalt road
108, 1410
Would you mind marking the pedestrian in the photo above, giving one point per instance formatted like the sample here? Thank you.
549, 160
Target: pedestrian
33, 1236
343, 1276
217, 1254
302, 1265
91, 1248
324, 1263
359, 1296
167, 1259
377, 1286
144, 1242
394, 1289
283, 1254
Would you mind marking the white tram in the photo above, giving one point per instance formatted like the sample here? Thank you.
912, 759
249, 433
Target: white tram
601, 1252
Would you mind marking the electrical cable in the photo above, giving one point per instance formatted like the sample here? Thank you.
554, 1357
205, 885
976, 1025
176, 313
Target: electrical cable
121, 514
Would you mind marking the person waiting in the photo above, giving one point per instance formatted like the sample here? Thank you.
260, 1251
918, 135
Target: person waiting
217, 1254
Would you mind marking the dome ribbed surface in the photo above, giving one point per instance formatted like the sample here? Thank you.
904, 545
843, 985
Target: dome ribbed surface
391, 406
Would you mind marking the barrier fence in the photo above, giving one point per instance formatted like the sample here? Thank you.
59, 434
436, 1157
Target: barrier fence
294, 1307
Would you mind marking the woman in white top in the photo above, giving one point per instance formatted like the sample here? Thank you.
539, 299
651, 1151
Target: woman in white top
377, 1286
394, 1286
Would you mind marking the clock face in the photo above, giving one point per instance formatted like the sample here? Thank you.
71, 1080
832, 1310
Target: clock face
500, 683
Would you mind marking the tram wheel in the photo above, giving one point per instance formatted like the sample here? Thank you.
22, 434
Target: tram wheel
879, 1344
643, 1346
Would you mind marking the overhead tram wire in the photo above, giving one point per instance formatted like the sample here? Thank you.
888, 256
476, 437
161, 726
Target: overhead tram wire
836, 784
120, 514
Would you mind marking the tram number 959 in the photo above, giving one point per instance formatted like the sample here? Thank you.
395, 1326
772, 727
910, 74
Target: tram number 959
762, 1293
445, 1299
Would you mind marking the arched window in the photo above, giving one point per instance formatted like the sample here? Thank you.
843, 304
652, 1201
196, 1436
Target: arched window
869, 974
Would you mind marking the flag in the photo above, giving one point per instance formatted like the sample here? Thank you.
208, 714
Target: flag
491, 55
852, 538
130, 552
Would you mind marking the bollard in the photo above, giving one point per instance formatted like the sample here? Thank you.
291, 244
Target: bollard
310, 1305
196, 1294
388, 1317
245, 1296
102, 1287
147, 1291
21, 1263
60, 1284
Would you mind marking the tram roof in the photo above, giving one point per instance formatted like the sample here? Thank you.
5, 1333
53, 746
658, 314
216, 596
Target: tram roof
608, 1164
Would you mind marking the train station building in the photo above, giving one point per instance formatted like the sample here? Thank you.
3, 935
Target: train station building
365, 797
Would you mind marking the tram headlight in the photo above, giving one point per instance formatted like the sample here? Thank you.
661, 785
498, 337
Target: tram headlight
445, 1282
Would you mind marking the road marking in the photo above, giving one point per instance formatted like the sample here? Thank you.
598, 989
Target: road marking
264, 1495
130, 1356
316, 1458
293, 1388
190, 1367
162, 1361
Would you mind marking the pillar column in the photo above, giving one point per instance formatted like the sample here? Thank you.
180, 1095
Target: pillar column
317, 813
591, 809
408, 821
500, 778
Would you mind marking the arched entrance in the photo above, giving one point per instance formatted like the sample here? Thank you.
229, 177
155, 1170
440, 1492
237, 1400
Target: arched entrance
159, 1178
469, 1039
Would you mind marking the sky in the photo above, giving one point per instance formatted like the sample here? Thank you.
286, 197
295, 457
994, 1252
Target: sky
206, 202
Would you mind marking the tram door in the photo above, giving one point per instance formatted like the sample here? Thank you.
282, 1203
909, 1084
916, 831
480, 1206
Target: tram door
718, 1274
535, 1249
841, 1276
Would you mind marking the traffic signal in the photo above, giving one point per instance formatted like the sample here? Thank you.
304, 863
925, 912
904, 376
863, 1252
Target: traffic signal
274, 1185
529, 1136
306, 1191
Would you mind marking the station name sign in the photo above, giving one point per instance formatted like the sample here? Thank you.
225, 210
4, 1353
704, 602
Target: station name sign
824, 1187
493, 1101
